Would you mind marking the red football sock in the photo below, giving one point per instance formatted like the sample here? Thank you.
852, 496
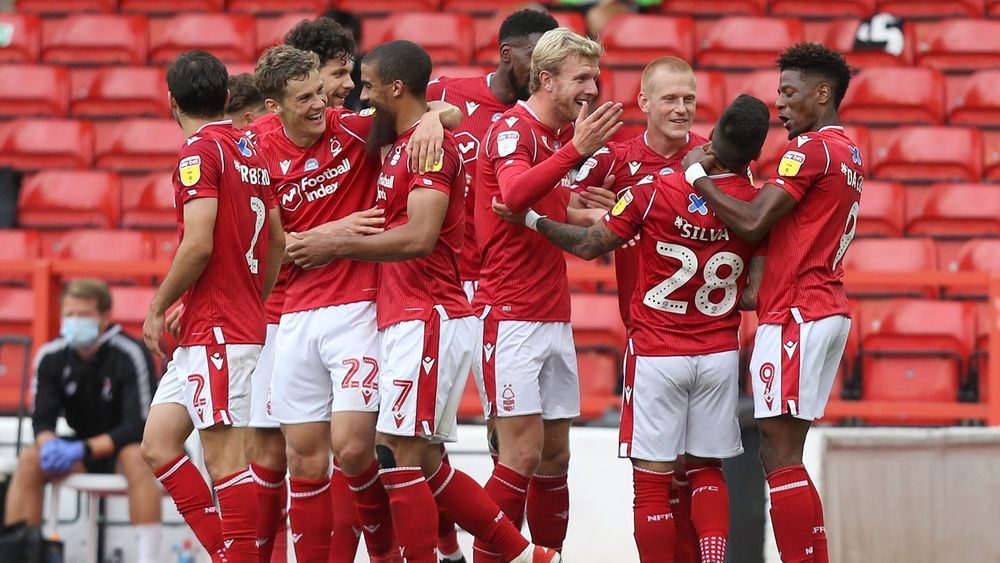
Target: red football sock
271, 495
792, 514
655, 531
710, 511
371, 503
194, 501
310, 519
414, 515
346, 528
548, 510
238, 508
460, 498
447, 534
686, 546
820, 552
509, 490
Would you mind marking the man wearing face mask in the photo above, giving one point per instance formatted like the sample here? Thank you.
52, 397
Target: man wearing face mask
102, 381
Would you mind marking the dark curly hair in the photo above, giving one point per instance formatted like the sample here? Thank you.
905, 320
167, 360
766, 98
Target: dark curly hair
741, 130
323, 36
818, 60
523, 23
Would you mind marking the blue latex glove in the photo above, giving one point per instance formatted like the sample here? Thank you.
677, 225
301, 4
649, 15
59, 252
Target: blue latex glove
59, 455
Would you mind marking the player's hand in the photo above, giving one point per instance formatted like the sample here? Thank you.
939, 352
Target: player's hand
174, 321
425, 145
593, 131
312, 249
702, 154
367, 222
506, 214
152, 329
600, 197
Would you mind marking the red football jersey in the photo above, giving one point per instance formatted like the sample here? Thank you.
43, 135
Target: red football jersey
630, 161
822, 170
224, 305
523, 276
691, 269
411, 289
263, 124
474, 97
324, 182
276, 299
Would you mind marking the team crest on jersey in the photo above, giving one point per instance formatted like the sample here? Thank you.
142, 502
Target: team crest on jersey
507, 142
190, 170
625, 200
243, 145
311, 164
791, 163
335, 147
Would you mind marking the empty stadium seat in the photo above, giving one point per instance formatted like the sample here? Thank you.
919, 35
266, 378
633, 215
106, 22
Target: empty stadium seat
33, 144
138, 145
446, 37
388, 6
227, 36
129, 306
150, 203
898, 255
119, 91
599, 375
99, 245
636, 39
277, 6
70, 199
959, 210
895, 95
813, 9
171, 6
976, 255
15, 368
957, 44
921, 153
95, 39
164, 243
20, 38
761, 84
459, 71
481, 6
17, 306
744, 42
65, 6
932, 8
17, 244
597, 322
991, 156
842, 34
976, 101
883, 212
272, 31
993, 8
486, 45
33, 90
715, 7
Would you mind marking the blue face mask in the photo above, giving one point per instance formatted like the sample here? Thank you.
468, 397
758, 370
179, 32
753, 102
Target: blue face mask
79, 332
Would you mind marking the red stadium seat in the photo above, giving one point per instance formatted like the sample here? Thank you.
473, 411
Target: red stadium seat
33, 144
388, 6
33, 90
129, 306
991, 156
761, 84
164, 243
485, 39
95, 39
17, 307
957, 44
636, 39
272, 31
932, 8
150, 204
883, 212
20, 38
892, 255
976, 255
928, 154
138, 145
65, 6
597, 322
171, 6
119, 91
481, 6
842, 34
993, 8
745, 42
599, 374
277, 6
895, 95
813, 9
715, 7
976, 101
113, 245
240, 68
18, 244
229, 37
70, 199
459, 71
959, 210
446, 37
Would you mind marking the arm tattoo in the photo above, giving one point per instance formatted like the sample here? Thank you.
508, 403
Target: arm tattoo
586, 242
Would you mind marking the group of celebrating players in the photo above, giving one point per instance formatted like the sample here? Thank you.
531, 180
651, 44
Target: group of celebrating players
340, 274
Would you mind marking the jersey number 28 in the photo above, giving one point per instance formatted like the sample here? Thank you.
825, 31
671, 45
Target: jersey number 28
657, 296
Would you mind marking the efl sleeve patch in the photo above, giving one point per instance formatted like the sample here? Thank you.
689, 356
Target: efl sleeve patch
507, 142
791, 163
625, 200
190, 170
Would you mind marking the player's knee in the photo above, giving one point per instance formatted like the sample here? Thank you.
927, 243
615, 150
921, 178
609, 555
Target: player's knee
131, 459
155, 454
554, 461
307, 465
354, 455
524, 460
29, 465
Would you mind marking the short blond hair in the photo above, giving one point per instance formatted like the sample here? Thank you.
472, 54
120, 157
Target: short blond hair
281, 64
668, 64
555, 47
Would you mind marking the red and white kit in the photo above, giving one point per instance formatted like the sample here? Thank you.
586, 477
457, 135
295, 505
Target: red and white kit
260, 399
629, 161
224, 319
327, 341
682, 360
426, 325
528, 357
803, 310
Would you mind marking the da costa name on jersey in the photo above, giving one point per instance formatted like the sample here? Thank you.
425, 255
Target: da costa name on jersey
252, 174
702, 234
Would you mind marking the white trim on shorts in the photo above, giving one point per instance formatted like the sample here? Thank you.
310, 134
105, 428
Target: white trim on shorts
260, 397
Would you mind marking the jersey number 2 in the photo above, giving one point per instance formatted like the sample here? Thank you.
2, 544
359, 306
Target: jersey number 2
258, 207
656, 297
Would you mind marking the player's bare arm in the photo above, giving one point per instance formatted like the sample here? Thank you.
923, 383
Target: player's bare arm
585, 242
750, 220
748, 300
192, 256
275, 251
425, 209
367, 222
425, 146
584, 217
594, 130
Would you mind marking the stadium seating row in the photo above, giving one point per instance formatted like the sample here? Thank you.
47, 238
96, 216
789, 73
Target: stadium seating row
858, 8
456, 38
